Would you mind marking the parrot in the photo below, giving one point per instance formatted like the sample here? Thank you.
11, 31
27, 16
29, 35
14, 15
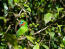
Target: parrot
23, 28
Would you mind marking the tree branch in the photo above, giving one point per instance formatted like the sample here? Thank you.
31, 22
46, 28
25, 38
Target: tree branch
8, 28
41, 30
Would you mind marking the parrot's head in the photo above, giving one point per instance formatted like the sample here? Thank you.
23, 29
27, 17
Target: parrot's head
22, 23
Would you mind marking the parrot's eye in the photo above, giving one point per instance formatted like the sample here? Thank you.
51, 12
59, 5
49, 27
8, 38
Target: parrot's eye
21, 22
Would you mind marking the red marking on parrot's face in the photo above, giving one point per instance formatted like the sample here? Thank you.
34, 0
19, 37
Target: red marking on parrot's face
23, 24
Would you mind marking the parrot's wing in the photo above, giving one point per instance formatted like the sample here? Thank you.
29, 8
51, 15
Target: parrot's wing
22, 31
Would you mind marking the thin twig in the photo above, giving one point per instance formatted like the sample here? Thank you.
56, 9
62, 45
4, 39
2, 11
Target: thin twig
30, 44
9, 45
21, 11
21, 38
18, 15
41, 30
8, 28
41, 41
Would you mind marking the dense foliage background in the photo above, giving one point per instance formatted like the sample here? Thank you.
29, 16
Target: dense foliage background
46, 23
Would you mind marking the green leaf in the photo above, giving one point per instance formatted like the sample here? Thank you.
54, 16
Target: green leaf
56, 15
36, 46
53, 28
10, 2
25, 5
41, 9
28, 9
59, 9
47, 17
4, 19
42, 0
32, 32
16, 1
20, 47
5, 6
59, 26
64, 40
60, 48
52, 34
2, 47
30, 25
61, 45
22, 15
54, 45
30, 38
5, 9
45, 46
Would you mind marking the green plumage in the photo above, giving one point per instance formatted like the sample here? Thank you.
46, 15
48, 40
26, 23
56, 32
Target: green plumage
23, 29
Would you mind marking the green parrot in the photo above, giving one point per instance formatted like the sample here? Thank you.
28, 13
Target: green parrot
23, 28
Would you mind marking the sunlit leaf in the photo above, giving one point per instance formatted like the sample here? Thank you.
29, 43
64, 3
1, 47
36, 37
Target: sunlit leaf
16, 1
53, 28
28, 9
59, 9
30, 38
64, 40
56, 15
52, 34
25, 5
45, 46
20, 47
5, 9
47, 17
59, 26
61, 45
22, 15
36, 46
4, 19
